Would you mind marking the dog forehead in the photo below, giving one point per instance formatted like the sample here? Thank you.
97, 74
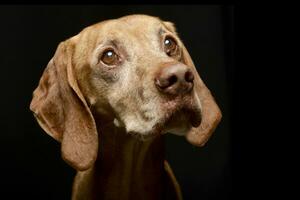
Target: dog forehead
132, 24
131, 31
140, 20
137, 24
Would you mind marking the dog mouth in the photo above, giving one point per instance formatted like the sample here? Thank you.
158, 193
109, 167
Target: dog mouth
189, 116
180, 115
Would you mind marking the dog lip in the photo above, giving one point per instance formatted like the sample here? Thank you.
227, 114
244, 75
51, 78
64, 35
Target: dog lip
186, 107
195, 118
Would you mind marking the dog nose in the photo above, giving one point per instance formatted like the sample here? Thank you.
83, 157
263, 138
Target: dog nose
175, 79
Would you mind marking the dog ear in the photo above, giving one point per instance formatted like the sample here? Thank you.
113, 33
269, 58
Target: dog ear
62, 111
210, 112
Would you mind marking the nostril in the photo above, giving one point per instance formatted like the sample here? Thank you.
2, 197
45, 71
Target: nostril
172, 80
189, 77
165, 82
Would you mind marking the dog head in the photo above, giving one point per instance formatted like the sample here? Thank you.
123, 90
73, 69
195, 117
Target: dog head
134, 71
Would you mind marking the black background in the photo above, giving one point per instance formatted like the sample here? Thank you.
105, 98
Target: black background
31, 164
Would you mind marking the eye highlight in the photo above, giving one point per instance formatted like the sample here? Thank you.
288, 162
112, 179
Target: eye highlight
109, 57
170, 46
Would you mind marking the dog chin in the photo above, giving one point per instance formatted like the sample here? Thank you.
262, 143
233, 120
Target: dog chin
177, 119
178, 123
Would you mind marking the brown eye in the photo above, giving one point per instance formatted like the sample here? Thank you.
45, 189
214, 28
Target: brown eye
170, 46
109, 57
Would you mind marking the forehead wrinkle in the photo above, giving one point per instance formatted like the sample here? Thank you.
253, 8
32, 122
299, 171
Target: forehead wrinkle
142, 24
109, 37
161, 31
136, 26
110, 30
147, 35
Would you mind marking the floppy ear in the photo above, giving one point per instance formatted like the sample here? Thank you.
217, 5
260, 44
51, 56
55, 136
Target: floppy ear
210, 112
62, 111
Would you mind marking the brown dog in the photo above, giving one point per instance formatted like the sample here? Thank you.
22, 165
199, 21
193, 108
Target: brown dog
108, 95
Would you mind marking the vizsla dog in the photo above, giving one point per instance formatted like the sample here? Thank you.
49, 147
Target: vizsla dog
110, 93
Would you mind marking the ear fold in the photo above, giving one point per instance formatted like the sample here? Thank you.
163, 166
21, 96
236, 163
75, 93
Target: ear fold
62, 111
210, 112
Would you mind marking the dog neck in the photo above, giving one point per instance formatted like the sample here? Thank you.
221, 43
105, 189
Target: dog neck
128, 168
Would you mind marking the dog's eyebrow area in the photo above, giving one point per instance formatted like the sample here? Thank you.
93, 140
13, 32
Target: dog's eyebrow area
161, 31
109, 42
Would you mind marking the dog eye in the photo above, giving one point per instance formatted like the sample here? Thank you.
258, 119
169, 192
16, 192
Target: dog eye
170, 46
109, 57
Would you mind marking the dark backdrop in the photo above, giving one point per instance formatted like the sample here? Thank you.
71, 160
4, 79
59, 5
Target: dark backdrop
31, 164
